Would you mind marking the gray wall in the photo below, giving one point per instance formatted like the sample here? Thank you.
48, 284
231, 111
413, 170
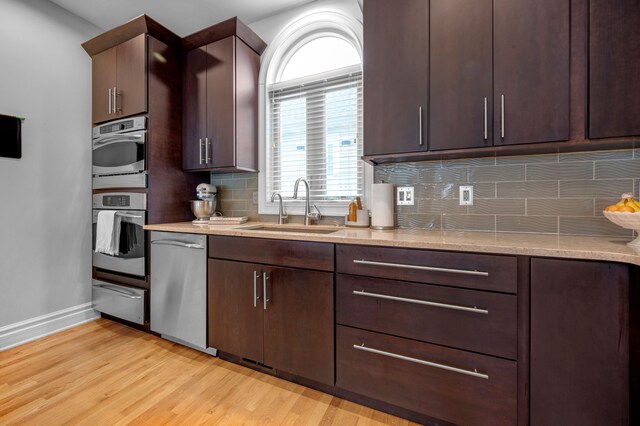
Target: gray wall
45, 197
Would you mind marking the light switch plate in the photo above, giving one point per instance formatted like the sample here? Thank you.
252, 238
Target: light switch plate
404, 196
466, 195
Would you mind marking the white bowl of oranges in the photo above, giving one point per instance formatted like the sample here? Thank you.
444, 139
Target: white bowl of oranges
626, 213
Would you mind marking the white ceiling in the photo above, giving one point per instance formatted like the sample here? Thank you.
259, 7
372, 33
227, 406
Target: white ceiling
183, 17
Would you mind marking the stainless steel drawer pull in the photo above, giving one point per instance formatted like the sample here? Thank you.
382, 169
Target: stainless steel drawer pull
420, 124
109, 101
421, 268
200, 145
130, 216
178, 244
265, 277
473, 373
119, 292
502, 116
255, 289
421, 302
486, 126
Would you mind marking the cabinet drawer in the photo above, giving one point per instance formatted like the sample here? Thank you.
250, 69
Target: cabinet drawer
448, 384
292, 254
470, 270
120, 301
474, 320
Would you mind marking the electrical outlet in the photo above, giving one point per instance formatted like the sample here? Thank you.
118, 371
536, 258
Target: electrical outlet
255, 197
466, 195
405, 196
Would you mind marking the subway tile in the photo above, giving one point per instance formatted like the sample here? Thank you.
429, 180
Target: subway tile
242, 194
451, 190
529, 224
616, 154
497, 173
601, 203
619, 169
527, 159
230, 205
421, 221
443, 175
441, 206
233, 183
469, 162
533, 189
560, 171
636, 153
591, 226
498, 206
595, 188
468, 222
560, 207
401, 173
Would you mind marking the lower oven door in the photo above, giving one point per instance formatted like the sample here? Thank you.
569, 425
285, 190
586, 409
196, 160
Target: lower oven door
119, 301
131, 258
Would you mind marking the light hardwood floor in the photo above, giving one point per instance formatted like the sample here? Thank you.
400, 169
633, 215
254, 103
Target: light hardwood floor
104, 373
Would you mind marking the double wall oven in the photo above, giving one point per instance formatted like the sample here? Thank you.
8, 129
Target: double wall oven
119, 155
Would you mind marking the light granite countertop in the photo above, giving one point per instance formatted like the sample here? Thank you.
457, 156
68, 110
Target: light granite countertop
562, 246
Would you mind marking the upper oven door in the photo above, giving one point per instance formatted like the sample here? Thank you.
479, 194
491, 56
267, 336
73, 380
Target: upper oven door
119, 153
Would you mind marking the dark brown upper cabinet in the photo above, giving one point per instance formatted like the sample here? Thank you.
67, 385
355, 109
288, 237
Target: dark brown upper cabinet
499, 72
396, 59
461, 66
119, 80
531, 71
220, 98
614, 68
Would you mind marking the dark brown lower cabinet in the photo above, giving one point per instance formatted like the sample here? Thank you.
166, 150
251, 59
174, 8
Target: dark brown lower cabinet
279, 317
579, 343
446, 384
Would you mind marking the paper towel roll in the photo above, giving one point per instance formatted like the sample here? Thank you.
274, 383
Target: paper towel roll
382, 211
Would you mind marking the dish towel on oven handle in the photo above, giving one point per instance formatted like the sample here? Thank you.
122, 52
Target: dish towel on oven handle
108, 232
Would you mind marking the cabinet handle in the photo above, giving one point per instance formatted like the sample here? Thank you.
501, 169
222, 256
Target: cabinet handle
109, 101
265, 277
422, 268
502, 116
200, 147
115, 101
119, 292
255, 289
206, 150
420, 123
473, 373
422, 302
486, 135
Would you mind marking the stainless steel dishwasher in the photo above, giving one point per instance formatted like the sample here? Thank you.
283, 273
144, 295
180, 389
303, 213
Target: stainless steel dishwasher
179, 288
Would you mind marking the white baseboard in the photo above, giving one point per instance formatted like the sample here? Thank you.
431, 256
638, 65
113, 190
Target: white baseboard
25, 331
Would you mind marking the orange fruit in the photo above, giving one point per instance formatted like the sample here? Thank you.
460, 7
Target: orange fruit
626, 209
611, 208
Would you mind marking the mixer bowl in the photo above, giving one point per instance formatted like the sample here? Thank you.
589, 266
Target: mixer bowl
203, 209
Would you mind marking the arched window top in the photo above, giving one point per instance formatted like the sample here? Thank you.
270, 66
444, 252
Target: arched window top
318, 55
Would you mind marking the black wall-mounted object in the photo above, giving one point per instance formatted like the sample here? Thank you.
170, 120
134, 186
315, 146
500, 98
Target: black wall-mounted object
10, 136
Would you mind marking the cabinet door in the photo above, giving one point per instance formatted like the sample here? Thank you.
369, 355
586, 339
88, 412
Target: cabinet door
396, 43
614, 68
194, 108
103, 80
235, 316
221, 135
461, 75
531, 71
579, 343
132, 76
299, 323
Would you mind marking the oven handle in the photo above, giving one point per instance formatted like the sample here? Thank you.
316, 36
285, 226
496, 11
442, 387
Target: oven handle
119, 292
129, 215
178, 244
119, 139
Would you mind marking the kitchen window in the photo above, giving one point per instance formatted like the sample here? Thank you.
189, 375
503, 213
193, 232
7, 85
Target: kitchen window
313, 121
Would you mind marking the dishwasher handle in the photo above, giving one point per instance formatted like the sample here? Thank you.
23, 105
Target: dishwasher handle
178, 244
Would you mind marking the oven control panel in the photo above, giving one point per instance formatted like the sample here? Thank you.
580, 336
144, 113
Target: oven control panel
120, 201
116, 200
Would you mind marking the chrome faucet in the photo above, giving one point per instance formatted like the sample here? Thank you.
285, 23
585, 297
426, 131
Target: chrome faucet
282, 214
308, 216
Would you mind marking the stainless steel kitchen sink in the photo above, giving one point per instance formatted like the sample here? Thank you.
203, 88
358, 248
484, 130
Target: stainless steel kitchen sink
301, 229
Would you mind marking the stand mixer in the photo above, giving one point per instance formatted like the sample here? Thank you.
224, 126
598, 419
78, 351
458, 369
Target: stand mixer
205, 206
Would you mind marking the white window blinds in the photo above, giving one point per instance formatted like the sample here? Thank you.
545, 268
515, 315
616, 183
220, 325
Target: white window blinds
314, 129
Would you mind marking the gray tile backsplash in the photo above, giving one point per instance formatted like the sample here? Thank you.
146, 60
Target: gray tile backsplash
549, 193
